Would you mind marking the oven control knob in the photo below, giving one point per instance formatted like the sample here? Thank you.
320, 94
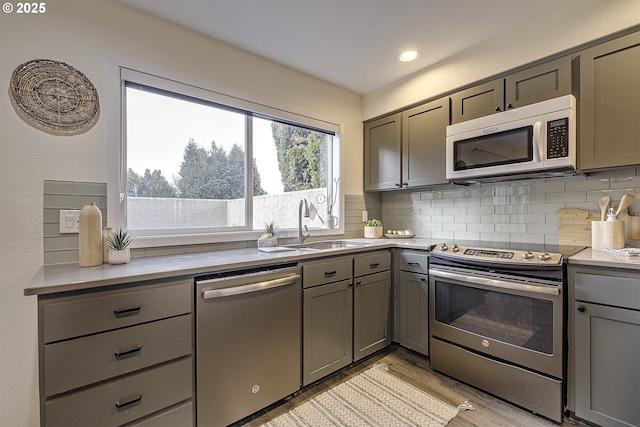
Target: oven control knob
527, 255
485, 343
444, 247
544, 257
455, 248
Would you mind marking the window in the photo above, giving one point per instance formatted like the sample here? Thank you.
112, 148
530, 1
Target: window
195, 165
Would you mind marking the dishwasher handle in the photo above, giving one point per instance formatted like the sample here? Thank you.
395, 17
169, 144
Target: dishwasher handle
253, 287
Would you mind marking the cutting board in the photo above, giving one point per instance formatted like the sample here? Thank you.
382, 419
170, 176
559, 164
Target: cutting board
575, 226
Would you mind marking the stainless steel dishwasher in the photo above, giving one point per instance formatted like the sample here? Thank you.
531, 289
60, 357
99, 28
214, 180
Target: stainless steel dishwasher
248, 341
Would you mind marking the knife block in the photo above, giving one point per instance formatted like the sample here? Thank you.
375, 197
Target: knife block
607, 235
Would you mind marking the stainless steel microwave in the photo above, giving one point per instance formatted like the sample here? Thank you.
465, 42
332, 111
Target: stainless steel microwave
534, 140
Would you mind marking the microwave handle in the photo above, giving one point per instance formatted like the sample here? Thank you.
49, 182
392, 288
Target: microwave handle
537, 142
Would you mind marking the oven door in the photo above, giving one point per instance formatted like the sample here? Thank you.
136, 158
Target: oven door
515, 321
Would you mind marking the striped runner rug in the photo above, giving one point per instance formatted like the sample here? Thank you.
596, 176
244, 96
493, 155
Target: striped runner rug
372, 398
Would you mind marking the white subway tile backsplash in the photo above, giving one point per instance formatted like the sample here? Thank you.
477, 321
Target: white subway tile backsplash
518, 211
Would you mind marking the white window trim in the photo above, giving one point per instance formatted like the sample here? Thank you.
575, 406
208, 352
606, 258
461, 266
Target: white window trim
119, 68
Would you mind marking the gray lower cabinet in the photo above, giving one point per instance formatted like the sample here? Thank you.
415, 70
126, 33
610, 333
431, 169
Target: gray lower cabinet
604, 360
116, 356
327, 307
609, 104
412, 290
372, 322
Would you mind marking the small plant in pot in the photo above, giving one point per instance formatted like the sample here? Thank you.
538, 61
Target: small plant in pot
269, 237
118, 243
373, 229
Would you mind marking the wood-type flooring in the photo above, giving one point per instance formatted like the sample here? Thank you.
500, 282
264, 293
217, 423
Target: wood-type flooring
414, 369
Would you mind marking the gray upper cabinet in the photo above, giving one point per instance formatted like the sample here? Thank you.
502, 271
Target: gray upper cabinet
534, 84
609, 104
406, 149
382, 145
424, 131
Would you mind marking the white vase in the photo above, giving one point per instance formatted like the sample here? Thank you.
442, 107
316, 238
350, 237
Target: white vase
331, 221
372, 232
122, 256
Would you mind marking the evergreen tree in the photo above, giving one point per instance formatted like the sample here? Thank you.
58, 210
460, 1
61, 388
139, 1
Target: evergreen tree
151, 184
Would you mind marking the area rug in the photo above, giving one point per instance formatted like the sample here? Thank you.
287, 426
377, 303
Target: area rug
372, 398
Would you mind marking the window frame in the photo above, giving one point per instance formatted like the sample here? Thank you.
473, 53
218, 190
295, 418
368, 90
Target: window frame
120, 70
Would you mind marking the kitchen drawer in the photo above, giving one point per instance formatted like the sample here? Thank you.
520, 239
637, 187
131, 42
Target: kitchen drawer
608, 289
413, 261
74, 363
181, 416
124, 400
326, 271
70, 317
371, 263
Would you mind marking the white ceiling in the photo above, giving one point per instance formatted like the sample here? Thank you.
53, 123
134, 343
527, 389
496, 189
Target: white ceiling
352, 43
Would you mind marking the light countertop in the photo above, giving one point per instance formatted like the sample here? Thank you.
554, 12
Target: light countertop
598, 258
71, 277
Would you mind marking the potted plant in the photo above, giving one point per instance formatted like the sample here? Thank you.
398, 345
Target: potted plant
331, 221
118, 243
268, 238
373, 229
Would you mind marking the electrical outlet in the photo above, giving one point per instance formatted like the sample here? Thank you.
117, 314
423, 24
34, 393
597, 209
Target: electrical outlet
69, 221
365, 216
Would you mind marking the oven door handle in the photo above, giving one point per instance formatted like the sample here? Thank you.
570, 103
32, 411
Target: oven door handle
497, 283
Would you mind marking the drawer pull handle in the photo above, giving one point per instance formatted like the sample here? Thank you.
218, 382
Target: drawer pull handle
330, 273
582, 309
414, 264
123, 312
358, 282
128, 402
130, 352
374, 265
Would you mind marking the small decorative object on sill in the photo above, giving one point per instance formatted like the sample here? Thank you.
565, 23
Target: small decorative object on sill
268, 239
331, 221
373, 229
90, 235
118, 243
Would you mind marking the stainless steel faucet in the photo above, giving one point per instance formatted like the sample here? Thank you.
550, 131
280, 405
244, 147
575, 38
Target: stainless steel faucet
301, 235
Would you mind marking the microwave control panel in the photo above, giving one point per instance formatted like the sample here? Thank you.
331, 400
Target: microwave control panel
558, 138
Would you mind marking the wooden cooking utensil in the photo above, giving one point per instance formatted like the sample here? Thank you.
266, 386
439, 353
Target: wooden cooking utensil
604, 204
624, 203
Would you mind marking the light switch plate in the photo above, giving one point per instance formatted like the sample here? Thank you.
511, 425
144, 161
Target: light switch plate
69, 221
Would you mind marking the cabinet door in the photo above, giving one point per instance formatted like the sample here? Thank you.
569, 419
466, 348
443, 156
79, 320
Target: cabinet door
414, 320
424, 132
545, 81
609, 133
477, 101
327, 329
372, 310
382, 153
607, 367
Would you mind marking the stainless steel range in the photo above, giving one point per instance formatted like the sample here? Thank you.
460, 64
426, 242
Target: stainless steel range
496, 320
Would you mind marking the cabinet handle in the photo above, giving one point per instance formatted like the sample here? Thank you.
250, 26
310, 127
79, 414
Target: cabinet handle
358, 282
582, 308
414, 264
128, 402
397, 185
509, 106
405, 184
330, 273
123, 312
422, 279
498, 109
374, 265
130, 352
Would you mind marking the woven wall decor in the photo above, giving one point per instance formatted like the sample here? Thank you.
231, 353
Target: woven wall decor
55, 95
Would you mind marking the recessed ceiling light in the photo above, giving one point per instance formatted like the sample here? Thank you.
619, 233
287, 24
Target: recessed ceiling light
408, 56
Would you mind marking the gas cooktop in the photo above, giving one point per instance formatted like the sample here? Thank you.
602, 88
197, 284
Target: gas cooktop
505, 252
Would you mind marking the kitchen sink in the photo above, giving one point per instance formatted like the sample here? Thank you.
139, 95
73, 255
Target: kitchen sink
327, 244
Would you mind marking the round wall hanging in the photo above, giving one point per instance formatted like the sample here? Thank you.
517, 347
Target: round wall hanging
55, 95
